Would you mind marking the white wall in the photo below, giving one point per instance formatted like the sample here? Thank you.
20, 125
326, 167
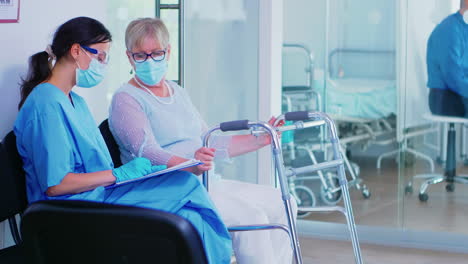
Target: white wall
304, 23
38, 21
221, 68
233, 69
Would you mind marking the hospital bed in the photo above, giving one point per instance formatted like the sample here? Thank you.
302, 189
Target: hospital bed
365, 95
362, 96
360, 85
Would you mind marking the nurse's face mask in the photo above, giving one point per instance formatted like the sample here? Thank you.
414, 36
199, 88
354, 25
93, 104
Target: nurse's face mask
96, 70
150, 68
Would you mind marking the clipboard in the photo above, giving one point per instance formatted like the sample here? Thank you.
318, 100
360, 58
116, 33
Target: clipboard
183, 165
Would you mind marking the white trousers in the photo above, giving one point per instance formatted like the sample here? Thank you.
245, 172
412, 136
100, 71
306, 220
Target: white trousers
242, 203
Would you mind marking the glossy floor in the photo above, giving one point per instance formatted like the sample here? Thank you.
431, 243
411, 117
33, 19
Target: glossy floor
389, 206
316, 251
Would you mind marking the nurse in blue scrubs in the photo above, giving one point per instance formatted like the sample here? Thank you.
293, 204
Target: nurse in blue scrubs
65, 156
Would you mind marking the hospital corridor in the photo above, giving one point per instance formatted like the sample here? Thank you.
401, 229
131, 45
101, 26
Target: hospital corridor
234, 131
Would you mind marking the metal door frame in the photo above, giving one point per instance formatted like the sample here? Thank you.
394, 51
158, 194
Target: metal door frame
181, 7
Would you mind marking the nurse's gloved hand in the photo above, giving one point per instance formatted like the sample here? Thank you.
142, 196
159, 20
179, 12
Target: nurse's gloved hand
136, 168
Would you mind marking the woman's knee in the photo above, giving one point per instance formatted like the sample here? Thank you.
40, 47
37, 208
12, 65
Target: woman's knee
277, 210
238, 212
257, 215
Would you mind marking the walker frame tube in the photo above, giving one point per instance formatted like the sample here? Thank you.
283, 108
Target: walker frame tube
337, 162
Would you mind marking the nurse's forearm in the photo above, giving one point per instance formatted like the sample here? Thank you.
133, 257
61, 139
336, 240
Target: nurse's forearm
74, 183
241, 144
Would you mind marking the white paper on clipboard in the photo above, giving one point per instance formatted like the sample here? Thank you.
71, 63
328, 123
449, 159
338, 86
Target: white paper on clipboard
183, 165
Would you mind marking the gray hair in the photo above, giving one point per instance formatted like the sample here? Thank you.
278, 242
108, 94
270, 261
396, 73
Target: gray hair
141, 28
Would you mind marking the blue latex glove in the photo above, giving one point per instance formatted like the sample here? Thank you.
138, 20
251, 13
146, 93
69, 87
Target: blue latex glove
136, 168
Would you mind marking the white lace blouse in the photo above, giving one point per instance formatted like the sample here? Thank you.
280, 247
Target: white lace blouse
145, 127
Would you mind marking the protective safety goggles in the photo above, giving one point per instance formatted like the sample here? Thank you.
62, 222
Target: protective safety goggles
101, 56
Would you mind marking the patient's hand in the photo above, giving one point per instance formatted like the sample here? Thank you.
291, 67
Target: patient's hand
205, 155
272, 121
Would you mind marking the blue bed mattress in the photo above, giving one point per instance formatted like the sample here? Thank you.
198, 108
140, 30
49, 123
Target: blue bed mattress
361, 98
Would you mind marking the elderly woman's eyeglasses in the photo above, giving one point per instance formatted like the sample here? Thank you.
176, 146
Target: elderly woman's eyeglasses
101, 56
140, 57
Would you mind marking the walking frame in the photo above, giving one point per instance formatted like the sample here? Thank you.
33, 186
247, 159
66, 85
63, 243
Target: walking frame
303, 119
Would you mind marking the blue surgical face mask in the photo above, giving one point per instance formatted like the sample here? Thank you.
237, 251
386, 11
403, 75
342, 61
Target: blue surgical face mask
151, 72
92, 76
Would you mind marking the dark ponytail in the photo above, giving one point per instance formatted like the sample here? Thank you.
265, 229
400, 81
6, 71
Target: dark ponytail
39, 71
81, 30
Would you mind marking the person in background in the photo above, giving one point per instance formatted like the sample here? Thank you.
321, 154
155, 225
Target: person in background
65, 156
155, 117
447, 65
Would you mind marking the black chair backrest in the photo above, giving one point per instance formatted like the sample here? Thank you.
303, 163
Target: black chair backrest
12, 188
87, 232
111, 143
12, 255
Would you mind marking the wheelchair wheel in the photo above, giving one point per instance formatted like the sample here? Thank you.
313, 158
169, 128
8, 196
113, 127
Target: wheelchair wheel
450, 187
305, 198
335, 197
423, 197
356, 169
366, 193
409, 188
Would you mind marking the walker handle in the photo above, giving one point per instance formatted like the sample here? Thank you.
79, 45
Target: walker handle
296, 116
234, 125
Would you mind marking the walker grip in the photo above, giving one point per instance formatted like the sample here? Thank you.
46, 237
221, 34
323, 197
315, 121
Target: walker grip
234, 125
296, 116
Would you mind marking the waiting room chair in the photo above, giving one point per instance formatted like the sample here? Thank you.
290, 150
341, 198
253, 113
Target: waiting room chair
111, 143
450, 176
66, 231
446, 107
12, 197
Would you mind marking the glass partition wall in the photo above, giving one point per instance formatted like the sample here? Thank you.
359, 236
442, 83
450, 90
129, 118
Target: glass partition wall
363, 62
221, 73
351, 71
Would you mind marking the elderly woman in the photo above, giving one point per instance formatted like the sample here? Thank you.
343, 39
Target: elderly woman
154, 118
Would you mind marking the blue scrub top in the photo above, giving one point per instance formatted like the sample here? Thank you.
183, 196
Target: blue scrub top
447, 56
54, 138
